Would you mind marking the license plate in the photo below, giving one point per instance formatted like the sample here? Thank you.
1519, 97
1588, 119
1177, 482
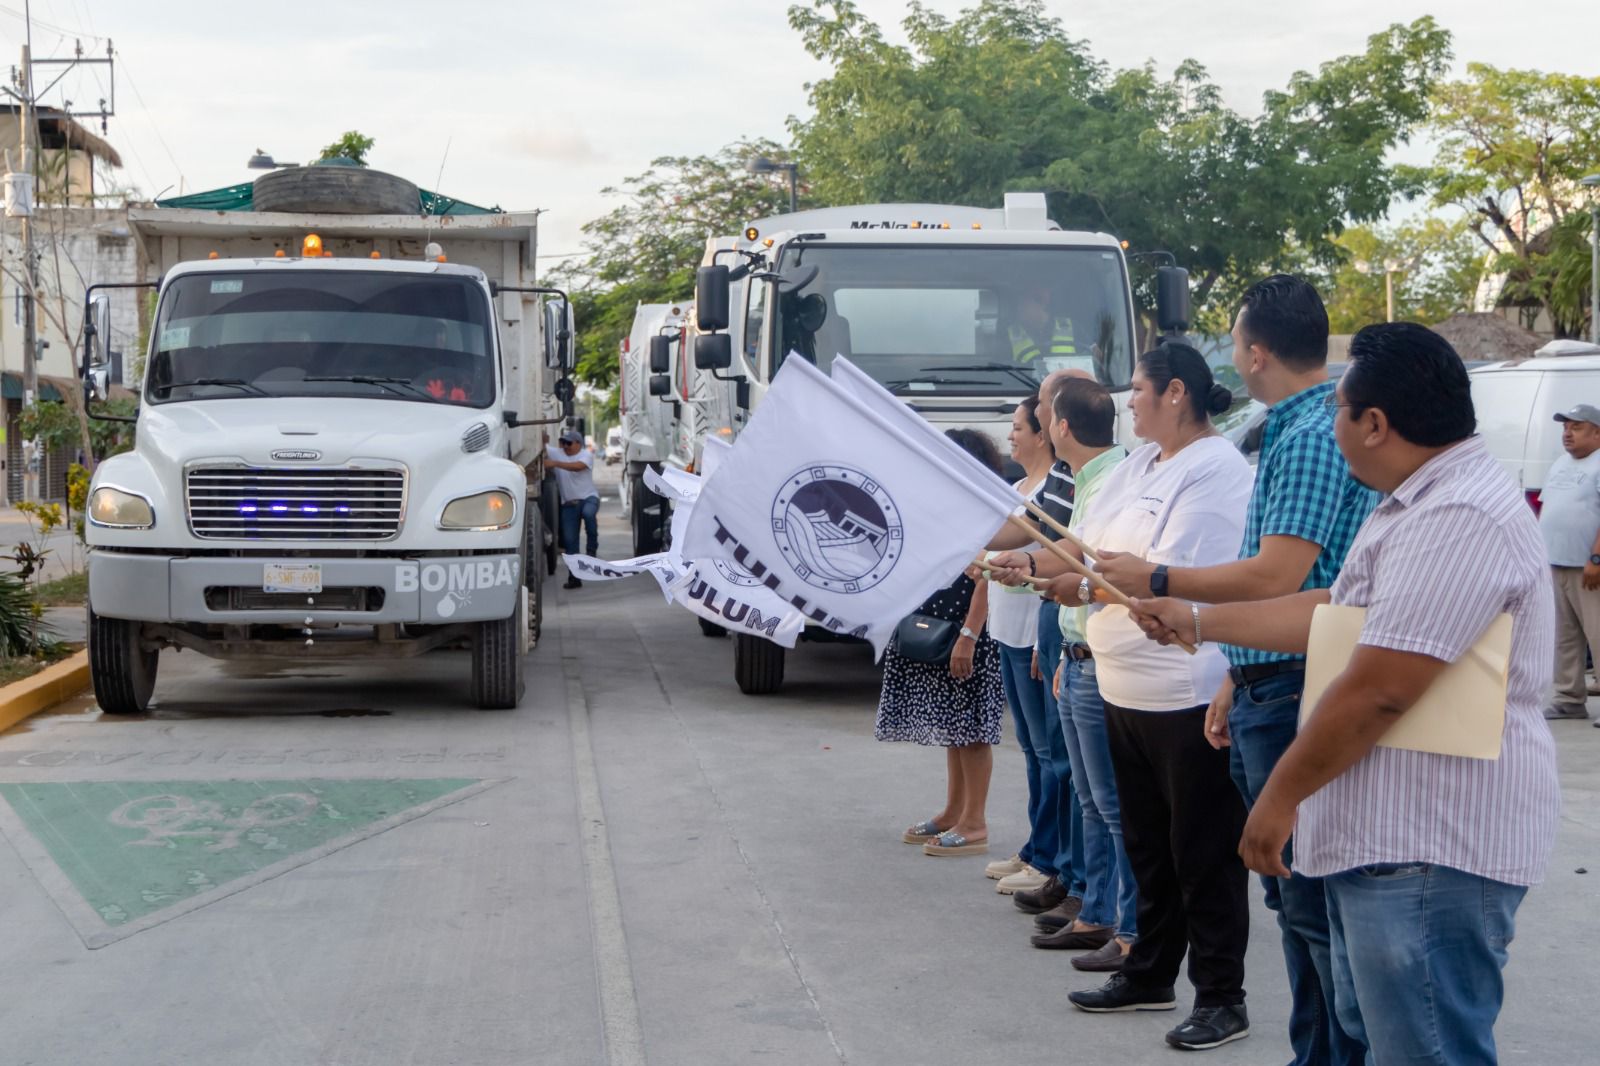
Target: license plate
292, 577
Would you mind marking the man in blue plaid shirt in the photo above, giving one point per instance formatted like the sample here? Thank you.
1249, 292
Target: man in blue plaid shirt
1303, 515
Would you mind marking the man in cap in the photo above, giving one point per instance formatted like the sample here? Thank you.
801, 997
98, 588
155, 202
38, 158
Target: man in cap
580, 500
1569, 518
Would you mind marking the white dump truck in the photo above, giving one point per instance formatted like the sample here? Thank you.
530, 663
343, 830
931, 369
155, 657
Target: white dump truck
960, 311
339, 445
648, 421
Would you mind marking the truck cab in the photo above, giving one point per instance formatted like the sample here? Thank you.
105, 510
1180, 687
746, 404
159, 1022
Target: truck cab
326, 466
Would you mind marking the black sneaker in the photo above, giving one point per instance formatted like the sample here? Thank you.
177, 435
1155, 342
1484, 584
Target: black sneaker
1209, 1027
1120, 994
572, 583
1046, 897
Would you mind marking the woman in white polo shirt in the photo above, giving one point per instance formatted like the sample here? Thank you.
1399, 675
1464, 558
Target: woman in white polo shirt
1179, 500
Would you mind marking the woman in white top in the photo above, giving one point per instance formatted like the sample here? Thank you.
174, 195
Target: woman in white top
1014, 624
1179, 500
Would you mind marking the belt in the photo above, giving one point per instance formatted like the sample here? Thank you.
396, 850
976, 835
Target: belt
1076, 651
1249, 675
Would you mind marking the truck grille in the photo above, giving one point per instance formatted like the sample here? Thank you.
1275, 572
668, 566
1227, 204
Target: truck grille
256, 503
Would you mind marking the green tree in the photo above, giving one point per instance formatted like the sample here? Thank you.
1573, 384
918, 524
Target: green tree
646, 249
1439, 265
352, 146
1513, 144
1000, 97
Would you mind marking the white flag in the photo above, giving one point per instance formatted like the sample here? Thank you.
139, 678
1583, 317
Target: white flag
838, 510
661, 566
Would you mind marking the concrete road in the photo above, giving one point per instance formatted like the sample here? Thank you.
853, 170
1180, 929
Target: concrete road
339, 866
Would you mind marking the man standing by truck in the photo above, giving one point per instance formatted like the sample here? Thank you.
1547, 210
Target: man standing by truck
580, 500
1569, 518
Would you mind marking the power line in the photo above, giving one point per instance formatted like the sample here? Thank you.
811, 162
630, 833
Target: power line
154, 128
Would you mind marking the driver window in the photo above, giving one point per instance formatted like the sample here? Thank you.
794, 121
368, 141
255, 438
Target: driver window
755, 313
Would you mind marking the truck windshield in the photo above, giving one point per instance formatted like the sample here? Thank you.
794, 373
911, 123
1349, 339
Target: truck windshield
422, 338
986, 319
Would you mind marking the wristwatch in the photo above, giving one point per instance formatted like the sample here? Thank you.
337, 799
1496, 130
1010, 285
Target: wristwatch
969, 634
1158, 581
1085, 593
1594, 560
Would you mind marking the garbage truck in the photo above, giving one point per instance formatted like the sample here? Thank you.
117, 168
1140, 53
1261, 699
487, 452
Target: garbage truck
649, 422
339, 445
959, 311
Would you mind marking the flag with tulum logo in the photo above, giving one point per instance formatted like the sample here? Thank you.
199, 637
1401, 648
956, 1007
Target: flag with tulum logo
838, 510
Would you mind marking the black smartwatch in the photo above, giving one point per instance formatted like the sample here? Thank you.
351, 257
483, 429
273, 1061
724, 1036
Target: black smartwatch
1158, 581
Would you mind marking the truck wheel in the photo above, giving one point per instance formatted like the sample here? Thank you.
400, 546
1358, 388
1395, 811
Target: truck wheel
649, 517
123, 671
711, 629
548, 506
757, 665
335, 190
533, 543
497, 662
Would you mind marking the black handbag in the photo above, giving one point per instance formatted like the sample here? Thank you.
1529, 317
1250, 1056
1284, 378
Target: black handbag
923, 638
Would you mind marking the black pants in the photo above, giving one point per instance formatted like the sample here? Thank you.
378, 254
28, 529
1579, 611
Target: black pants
1181, 821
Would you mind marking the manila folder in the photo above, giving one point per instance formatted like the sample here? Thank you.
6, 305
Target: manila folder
1462, 713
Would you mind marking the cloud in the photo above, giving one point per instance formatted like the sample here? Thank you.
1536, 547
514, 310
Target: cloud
554, 144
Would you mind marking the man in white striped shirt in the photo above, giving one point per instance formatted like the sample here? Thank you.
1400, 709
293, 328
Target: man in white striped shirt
1426, 856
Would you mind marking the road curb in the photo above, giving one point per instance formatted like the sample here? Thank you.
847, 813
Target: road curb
50, 686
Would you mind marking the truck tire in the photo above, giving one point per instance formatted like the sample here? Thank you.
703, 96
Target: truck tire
649, 517
336, 191
533, 578
497, 662
711, 629
552, 524
757, 665
123, 671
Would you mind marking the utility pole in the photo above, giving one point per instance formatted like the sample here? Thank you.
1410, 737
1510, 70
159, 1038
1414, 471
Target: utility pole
30, 270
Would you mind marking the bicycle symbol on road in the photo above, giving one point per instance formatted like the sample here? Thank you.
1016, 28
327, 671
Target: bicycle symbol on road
167, 816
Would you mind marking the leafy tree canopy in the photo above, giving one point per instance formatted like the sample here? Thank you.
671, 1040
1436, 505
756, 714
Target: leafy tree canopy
1436, 265
645, 249
1513, 146
352, 146
1001, 98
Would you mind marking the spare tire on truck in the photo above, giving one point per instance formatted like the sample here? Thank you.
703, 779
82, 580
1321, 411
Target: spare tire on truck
336, 190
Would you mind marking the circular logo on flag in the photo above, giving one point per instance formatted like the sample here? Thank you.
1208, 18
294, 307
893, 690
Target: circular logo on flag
736, 574
838, 528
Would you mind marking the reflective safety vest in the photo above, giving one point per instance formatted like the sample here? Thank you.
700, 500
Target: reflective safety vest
1024, 349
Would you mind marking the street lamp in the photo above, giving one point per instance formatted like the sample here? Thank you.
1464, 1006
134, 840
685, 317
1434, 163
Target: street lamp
263, 161
762, 165
1391, 267
1592, 183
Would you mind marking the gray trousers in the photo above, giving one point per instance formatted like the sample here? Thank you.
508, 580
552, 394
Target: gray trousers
1577, 627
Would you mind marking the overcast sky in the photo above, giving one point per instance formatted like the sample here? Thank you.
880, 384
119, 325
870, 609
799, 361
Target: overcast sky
543, 104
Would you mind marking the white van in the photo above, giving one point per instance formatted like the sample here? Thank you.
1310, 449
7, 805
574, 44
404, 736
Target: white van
1517, 404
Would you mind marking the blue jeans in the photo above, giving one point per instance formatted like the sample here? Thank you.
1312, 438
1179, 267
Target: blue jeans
1261, 726
587, 511
1026, 697
1056, 770
1417, 954
1107, 874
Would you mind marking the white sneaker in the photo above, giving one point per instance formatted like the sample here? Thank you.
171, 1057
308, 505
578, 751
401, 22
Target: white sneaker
1026, 879
1004, 867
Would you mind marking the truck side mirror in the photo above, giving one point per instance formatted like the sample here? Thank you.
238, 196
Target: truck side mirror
558, 335
713, 351
660, 385
1172, 299
660, 354
711, 298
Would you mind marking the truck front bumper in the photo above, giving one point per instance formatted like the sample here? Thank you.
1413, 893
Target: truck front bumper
429, 590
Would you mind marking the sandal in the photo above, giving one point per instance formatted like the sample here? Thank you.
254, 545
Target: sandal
953, 843
922, 832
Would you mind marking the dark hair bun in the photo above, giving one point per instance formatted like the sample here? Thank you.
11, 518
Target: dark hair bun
1219, 400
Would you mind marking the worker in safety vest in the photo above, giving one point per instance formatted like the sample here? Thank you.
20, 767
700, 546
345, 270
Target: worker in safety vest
1035, 331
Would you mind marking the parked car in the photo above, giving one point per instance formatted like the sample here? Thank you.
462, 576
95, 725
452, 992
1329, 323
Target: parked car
613, 454
1517, 404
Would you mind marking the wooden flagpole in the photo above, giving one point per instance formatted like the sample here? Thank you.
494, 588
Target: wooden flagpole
1065, 534
1082, 568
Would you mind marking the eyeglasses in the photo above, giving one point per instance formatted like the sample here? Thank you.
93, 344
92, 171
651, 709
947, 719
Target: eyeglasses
1333, 403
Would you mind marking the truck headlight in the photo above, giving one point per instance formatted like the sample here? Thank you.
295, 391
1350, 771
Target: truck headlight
119, 509
485, 510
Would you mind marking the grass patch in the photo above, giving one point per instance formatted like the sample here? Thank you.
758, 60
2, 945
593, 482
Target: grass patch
22, 666
69, 591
